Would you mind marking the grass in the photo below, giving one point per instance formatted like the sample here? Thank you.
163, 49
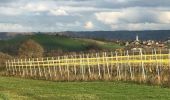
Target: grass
27, 89
103, 44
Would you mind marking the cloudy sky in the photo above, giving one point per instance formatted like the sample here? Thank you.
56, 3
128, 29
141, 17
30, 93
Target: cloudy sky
83, 15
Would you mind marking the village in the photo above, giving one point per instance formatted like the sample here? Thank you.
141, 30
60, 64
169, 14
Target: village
138, 44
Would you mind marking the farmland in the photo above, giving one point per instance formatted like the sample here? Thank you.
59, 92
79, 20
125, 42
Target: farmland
24, 89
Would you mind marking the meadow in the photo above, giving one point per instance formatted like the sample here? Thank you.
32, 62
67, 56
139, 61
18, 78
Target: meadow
28, 89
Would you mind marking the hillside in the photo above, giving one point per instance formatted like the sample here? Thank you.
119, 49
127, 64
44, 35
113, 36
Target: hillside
121, 35
53, 42
106, 35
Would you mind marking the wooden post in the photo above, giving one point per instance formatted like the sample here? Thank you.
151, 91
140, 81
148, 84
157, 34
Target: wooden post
169, 58
121, 64
8, 65
15, 67
104, 72
71, 65
30, 64
161, 63
129, 64
111, 64
49, 68
107, 64
44, 68
133, 65
161, 60
118, 67
81, 66
54, 68
68, 71
142, 63
153, 64
75, 61
145, 67
19, 67
26, 65
125, 65
98, 64
84, 68
22, 69
59, 64
39, 68
88, 65
157, 67
34, 66
93, 66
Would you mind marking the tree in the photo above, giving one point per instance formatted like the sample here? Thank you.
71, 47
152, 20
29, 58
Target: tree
30, 49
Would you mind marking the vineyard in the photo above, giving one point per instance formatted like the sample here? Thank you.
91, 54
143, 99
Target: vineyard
141, 66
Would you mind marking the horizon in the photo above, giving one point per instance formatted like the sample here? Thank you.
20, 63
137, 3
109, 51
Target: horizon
85, 31
83, 15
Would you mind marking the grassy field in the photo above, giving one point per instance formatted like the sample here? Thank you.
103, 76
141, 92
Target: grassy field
26, 89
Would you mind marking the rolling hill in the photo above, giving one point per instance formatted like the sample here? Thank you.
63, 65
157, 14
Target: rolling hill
106, 35
53, 42
121, 35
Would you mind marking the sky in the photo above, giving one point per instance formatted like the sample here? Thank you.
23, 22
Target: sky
83, 15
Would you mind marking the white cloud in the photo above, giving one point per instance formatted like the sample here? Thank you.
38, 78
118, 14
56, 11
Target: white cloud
129, 15
45, 7
89, 25
78, 9
35, 7
164, 17
58, 12
9, 27
10, 11
135, 19
109, 17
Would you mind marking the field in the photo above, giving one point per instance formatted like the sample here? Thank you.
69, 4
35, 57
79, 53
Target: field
27, 89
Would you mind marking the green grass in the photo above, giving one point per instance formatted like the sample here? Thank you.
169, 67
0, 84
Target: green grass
103, 44
26, 89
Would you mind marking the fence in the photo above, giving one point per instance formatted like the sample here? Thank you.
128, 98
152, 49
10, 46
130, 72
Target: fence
137, 66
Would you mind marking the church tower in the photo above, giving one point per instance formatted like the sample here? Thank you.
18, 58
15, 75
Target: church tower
137, 38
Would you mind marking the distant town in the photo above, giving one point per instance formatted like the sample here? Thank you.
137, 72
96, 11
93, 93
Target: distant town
138, 44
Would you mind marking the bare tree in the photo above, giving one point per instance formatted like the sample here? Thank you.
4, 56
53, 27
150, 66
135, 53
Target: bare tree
30, 49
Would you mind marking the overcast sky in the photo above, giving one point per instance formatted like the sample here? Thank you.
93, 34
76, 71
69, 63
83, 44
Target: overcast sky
83, 15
